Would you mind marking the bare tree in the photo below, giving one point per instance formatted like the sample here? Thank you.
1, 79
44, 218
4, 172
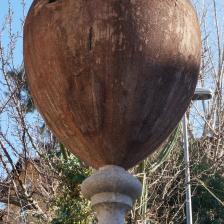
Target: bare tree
39, 178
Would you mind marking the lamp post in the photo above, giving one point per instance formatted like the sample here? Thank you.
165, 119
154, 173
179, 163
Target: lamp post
199, 94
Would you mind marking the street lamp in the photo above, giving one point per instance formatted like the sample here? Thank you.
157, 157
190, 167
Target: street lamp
202, 94
199, 94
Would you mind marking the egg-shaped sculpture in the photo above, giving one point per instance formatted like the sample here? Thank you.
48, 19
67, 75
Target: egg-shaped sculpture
112, 78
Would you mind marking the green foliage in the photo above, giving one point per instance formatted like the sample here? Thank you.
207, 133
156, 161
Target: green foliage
208, 195
163, 197
162, 178
68, 205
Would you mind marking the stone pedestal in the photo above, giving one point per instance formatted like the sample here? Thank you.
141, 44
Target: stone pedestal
112, 191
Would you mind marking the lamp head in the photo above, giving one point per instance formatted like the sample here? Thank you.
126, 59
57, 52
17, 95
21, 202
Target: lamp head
202, 94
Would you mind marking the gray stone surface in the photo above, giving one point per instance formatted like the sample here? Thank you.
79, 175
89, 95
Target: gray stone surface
112, 191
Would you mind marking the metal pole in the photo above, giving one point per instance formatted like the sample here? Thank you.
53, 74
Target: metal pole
187, 172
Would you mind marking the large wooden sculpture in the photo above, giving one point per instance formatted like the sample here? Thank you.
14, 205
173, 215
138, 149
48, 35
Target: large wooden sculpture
112, 78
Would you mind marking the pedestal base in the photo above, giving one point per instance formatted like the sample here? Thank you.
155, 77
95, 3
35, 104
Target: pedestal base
112, 191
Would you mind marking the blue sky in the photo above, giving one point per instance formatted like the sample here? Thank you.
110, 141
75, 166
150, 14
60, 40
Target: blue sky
18, 17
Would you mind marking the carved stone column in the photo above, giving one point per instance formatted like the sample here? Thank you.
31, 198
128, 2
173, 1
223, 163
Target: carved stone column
112, 191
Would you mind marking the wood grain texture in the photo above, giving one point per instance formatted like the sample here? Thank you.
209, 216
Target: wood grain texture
112, 78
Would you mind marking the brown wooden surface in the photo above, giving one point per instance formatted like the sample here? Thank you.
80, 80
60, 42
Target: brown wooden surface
112, 78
